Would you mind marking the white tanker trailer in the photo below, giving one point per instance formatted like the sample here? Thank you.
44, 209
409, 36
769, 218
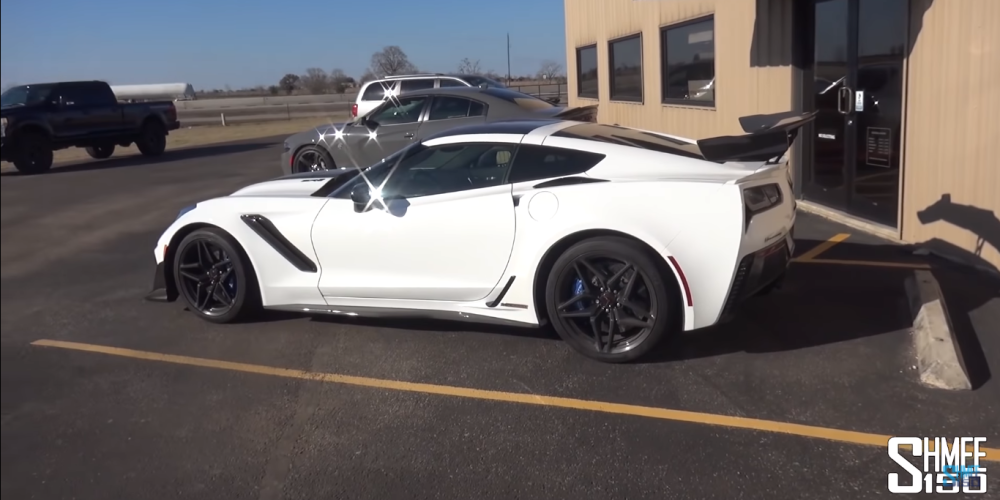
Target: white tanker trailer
154, 92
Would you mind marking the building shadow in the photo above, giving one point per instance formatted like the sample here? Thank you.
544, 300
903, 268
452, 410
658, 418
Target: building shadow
139, 160
783, 29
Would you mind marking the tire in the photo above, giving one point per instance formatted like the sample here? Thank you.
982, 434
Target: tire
152, 139
101, 152
236, 281
312, 159
649, 311
34, 154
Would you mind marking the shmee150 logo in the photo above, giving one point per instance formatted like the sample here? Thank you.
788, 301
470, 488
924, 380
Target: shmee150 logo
948, 467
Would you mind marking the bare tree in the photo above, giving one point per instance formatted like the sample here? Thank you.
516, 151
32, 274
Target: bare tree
367, 76
391, 61
338, 80
316, 81
549, 70
468, 67
289, 83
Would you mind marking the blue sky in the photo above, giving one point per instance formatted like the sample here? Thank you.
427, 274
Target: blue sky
213, 43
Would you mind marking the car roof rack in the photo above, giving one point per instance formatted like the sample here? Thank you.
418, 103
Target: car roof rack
416, 74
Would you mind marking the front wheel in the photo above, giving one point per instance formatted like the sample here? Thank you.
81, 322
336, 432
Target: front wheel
609, 300
312, 159
215, 278
33, 154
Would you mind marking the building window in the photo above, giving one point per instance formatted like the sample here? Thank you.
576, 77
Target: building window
625, 61
586, 72
688, 65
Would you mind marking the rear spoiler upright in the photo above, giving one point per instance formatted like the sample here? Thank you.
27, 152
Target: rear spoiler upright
581, 114
767, 137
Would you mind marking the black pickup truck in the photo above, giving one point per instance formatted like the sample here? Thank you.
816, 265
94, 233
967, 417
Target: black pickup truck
37, 119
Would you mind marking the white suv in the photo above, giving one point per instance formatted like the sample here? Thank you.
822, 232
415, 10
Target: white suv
374, 92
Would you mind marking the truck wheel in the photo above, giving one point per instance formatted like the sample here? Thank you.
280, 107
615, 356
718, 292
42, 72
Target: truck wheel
34, 154
101, 152
152, 139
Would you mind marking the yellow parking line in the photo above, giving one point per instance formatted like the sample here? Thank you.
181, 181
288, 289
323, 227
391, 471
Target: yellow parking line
871, 263
822, 247
852, 437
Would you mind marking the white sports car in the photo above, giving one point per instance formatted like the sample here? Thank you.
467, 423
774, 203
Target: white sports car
618, 237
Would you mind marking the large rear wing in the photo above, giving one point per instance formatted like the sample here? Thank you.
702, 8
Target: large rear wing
767, 137
581, 114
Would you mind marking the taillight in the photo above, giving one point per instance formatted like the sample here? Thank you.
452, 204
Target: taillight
354, 110
759, 199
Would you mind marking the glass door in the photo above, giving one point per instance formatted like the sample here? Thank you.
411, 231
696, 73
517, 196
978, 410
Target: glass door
857, 88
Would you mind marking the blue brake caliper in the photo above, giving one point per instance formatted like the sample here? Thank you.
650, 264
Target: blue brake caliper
578, 290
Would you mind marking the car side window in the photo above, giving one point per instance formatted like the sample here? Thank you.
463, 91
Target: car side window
450, 82
399, 111
448, 168
375, 91
545, 162
75, 96
416, 84
446, 108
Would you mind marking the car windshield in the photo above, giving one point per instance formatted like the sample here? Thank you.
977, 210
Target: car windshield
25, 95
476, 81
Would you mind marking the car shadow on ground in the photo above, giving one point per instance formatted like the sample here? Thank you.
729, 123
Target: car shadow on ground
819, 304
138, 160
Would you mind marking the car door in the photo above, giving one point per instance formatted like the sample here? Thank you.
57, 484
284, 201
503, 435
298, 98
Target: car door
73, 118
444, 231
447, 112
389, 128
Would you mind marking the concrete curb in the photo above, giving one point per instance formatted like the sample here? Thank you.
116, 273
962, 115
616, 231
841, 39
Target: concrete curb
939, 360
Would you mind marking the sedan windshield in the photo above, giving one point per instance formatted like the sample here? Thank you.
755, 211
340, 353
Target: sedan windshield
25, 95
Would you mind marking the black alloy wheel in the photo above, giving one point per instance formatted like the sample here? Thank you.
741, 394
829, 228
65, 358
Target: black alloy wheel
608, 299
213, 276
312, 159
152, 139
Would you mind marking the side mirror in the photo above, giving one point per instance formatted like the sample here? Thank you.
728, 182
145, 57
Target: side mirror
360, 195
368, 122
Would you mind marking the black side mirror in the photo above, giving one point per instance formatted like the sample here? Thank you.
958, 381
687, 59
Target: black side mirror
361, 196
368, 122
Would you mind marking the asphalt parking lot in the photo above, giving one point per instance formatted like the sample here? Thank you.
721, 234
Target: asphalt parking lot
130, 399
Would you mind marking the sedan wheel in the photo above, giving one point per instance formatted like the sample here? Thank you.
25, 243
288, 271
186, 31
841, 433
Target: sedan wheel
608, 299
214, 277
312, 159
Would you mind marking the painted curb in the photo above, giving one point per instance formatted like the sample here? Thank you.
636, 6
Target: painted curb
939, 360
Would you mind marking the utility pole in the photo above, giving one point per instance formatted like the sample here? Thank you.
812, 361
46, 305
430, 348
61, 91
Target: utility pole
508, 58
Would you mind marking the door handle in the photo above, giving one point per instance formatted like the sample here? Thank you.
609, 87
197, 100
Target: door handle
408, 135
845, 100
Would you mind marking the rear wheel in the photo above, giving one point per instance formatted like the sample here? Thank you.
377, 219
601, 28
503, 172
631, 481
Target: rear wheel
609, 300
152, 139
312, 159
215, 278
101, 152
34, 154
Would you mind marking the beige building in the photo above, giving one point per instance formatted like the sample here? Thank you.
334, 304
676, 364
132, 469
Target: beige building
907, 139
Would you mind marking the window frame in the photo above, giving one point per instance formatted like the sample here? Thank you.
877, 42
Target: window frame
579, 75
611, 70
427, 118
433, 82
421, 116
664, 50
514, 147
